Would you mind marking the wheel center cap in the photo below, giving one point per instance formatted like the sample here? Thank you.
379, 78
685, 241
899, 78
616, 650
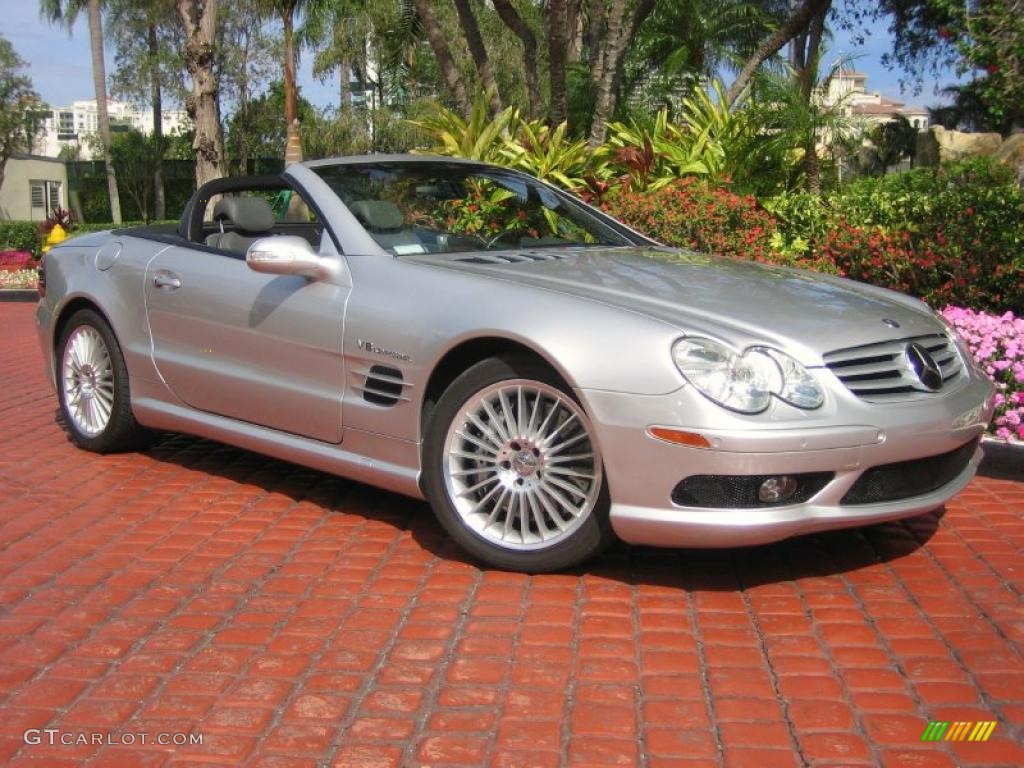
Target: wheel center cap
524, 463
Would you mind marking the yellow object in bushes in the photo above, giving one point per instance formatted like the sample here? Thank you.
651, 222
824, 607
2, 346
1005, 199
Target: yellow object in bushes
57, 235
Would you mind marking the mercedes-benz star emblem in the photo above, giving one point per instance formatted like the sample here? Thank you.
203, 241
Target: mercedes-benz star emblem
924, 366
890, 323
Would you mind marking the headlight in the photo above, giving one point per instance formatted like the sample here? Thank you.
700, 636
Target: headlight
746, 382
959, 342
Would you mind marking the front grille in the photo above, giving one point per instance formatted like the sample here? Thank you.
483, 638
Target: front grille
906, 479
881, 372
740, 491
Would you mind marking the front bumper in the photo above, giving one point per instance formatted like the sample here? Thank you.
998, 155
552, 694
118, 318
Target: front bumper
856, 436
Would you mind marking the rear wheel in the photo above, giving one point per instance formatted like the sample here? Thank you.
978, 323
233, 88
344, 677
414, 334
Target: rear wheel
93, 387
513, 470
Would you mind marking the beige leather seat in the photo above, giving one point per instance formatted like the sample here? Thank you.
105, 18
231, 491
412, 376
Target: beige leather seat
250, 219
384, 221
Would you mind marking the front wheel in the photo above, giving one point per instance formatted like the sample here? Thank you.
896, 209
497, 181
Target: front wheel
513, 470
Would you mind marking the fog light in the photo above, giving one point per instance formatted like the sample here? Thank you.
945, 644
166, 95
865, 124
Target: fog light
776, 489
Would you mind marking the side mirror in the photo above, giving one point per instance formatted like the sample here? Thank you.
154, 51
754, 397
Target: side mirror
287, 255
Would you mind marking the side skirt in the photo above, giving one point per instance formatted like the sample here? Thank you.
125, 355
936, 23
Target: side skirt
400, 476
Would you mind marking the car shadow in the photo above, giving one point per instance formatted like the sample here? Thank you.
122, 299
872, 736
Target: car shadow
809, 556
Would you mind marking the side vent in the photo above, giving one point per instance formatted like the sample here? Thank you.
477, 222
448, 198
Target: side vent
382, 385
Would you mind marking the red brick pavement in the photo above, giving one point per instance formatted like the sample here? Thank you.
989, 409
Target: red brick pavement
297, 619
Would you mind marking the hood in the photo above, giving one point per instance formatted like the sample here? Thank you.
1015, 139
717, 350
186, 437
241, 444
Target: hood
741, 302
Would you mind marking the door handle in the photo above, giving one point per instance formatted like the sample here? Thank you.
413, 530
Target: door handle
167, 281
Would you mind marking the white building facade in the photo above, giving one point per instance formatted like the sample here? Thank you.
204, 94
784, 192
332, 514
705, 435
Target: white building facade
72, 126
850, 89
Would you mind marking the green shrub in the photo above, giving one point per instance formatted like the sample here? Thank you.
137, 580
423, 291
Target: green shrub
953, 234
20, 236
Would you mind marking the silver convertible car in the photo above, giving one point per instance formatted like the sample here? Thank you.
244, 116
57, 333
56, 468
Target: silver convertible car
547, 378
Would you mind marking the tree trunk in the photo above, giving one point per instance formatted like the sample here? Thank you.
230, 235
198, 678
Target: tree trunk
344, 84
156, 93
812, 168
439, 46
620, 33
293, 142
595, 34
511, 19
99, 79
558, 42
574, 26
797, 22
478, 51
199, 18
812, 54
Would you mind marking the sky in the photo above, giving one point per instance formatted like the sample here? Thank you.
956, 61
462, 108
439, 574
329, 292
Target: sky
60, 68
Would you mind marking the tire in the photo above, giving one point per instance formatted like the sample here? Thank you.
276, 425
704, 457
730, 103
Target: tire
512, 469
93, 388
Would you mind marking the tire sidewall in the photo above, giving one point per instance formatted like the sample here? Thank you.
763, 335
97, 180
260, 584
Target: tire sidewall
593, 534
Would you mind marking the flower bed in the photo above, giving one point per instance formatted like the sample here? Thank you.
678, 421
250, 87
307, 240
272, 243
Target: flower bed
997, 343
17, 259
18, 279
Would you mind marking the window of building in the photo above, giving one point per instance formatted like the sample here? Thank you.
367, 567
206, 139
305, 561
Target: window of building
65, 125
45, 198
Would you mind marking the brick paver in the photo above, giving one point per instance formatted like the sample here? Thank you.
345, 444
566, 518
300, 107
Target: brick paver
298, 619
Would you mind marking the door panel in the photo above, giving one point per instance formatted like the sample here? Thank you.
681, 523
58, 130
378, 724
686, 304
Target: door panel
265, 349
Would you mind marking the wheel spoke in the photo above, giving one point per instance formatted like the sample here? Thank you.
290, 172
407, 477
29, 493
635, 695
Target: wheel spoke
550, 438
495, 419
531, 425
484, 429
563, 502
556, 449
567, 459
474, 488
506, 410
478, 443
520, 412
473, 456
483, 501
564, 472
566, 486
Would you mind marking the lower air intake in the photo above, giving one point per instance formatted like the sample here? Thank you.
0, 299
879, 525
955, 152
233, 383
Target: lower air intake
906, 479
741, 491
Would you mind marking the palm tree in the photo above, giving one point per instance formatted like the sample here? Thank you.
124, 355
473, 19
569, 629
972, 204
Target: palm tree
806, 129
687, 42
65, 13
288, 11
337, 31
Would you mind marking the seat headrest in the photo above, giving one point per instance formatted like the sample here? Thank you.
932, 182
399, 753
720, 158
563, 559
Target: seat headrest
250, 214
378, 215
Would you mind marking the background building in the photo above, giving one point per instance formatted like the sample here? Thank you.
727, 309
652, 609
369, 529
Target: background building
71, 127
850, 89
34, 187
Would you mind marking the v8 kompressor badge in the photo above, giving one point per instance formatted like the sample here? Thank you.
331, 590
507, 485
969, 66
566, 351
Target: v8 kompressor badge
369, 346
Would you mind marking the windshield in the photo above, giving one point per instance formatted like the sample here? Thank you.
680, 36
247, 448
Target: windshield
439, 207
